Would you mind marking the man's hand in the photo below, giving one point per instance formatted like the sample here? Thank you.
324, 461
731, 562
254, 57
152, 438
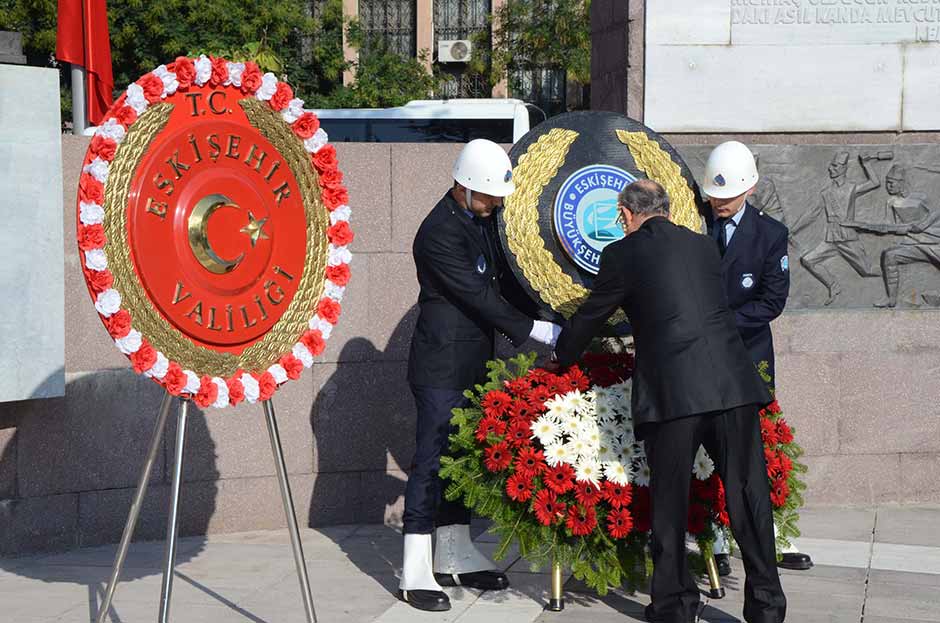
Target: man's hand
545, 332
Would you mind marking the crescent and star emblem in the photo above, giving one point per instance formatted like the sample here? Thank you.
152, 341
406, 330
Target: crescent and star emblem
197, 225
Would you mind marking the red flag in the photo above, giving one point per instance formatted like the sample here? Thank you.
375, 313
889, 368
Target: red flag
82, 39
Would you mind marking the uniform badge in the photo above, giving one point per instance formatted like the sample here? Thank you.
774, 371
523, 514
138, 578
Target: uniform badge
747, 281
784, 263
720, 180
481, 265
508, 176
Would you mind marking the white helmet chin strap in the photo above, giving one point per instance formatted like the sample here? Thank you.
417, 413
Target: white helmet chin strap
469, 197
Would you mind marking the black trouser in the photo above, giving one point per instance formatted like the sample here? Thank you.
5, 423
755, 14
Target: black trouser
732, 439
425, 506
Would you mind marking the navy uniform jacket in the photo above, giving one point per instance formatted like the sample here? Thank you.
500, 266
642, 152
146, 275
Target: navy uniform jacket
460, 306
756, 279
668, 281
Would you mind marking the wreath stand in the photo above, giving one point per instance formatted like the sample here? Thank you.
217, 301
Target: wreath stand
172, 534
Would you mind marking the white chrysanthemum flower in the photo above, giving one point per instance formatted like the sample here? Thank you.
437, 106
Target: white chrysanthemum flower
575, 401
192, 382
641, 471
235, 71
252, 391
616, 472
222, 401
334, 291
570, 425
629, 453
703, 467
341, 213
577, 448
203, 69
600, 393
609, 431
557, 409
546, 430
601, 410
136, 98
294, 109
98, 169
108, 302
303, 353
159, 369
170, 83
338, 255
95, 259
90, 213
316, 142
268, 87
112, 129
556, 454
279, 373
130, 343
604, 454
588, 471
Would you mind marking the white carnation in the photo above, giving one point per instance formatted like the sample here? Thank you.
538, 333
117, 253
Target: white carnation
130, 343
303, 353
325, 328
98, 169
294, 109
95, 259
252, 391
339, 255
114, 130
222, 401
334, 291
316, 142
192, 382
90, 213
588, 471
341, 213
108, 302
279, 373
235, 71
170, 83
203, 69
136, 98
703, 467
268, 87
159, 368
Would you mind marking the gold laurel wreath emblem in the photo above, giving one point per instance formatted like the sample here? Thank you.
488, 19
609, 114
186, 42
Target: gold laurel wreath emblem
536, 168
146, 319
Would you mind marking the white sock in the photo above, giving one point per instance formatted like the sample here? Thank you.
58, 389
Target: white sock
456, 552
416, 573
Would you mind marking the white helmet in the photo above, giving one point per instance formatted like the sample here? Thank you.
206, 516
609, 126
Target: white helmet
484, 167
730, 171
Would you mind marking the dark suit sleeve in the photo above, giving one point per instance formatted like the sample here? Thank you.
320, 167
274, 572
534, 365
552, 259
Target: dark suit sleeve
773, 289
608, 294
457, 277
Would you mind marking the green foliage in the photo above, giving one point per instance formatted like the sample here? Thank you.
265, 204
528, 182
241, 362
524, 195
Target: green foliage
384, 78
36, 20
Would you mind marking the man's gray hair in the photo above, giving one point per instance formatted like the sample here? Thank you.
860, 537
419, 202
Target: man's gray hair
645, 197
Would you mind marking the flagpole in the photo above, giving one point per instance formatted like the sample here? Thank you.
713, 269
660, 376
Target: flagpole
78, 99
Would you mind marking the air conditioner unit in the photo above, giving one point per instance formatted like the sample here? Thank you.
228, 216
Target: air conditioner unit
454, 51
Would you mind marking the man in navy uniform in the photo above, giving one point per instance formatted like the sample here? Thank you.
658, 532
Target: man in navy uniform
461, 309
755, 271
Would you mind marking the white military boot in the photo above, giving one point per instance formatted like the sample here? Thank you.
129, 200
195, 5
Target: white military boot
418, 586
458, 562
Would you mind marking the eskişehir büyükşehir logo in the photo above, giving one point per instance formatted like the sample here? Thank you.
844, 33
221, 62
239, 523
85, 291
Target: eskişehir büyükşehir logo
585, 213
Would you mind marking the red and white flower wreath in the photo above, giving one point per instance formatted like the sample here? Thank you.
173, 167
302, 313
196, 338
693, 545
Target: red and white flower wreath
181, 75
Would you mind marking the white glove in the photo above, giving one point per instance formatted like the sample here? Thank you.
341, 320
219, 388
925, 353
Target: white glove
545, 332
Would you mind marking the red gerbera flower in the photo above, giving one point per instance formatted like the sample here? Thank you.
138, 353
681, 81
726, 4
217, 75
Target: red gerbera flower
518, 387
618, 495
519, 488
538, 397
537, 376
548, 509
555, 385
784, 432
619, 523
786, 465
587, 494
575, 379
519, 433
498, 457
488, 426
768, 432
774, 408
496, 403
779, 492
560, 478
522, 409
580, 520
530, 462
640, 509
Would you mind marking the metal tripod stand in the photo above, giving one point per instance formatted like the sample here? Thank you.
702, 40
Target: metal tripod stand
172, 533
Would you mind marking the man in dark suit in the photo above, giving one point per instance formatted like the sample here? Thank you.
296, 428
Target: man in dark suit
461, 309
755, 273
668, 281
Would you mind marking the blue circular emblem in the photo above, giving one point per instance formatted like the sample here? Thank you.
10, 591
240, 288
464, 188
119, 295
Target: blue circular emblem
586, 213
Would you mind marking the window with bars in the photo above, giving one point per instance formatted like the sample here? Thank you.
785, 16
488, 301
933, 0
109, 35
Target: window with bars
388, 23
461, 19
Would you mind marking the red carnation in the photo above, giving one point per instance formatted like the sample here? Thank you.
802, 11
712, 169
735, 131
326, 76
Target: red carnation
640, 509
338, 274
103, 147
340, 234
489, 426
581, 521
207, 394
329, 310
185, 71
530, 462
306, 125
325, 159
618, 496
560, 478
251, 77
90, 237
784, 432
496, 403
266, 385
575, 379
99, 280
331, 178
587, 494
548, 509
90, 190
175, 379
119, 324
498, 457
768, 432
282, 97
519, 488
696, 519
152, 86
619, 523
236, 391
335, 197
219, 72
144, 358
519, 433
293, 366
126, 115
314, 341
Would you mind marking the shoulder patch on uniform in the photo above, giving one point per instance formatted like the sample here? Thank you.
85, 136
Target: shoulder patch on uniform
784, 263
747, 281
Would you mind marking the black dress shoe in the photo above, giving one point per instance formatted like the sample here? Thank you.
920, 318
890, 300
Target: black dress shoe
433, 601
482, 580
723, 562
798, 561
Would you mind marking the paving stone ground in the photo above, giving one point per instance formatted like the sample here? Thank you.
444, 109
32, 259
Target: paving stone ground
878, 565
